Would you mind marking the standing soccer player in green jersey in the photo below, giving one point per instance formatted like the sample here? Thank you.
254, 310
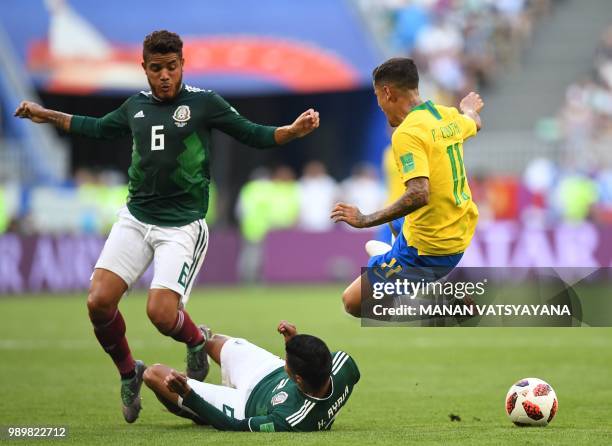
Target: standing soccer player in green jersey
260, 391
164, 221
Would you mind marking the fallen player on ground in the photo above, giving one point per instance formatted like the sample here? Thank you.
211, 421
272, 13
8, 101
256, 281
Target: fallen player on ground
260, 391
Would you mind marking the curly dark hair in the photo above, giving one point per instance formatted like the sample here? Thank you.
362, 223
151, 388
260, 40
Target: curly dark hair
162, 42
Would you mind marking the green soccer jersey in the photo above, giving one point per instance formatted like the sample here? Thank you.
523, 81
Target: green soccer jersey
276, 404
169, 175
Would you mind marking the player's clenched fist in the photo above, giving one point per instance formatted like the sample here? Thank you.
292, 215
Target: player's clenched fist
287, 329
177, 383
305, 123
349, 214
471, 103
31, 110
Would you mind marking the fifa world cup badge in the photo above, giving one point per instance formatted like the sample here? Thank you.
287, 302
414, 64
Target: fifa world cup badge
181, 115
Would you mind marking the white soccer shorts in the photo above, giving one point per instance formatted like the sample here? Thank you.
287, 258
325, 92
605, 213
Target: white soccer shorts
177, 253
243, 365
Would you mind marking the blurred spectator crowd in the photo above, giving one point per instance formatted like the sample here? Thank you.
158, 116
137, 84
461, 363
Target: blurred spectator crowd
86, 204
276, 200
271, 199
457, 44
577, 184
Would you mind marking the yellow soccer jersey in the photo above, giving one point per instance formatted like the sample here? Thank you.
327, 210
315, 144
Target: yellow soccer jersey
393, 180
429, 143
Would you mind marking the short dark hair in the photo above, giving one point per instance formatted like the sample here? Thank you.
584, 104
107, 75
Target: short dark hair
162, 42
309, 357
399, 71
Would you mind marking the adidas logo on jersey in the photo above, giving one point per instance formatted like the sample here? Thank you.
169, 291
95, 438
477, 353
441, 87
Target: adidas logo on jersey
140, 114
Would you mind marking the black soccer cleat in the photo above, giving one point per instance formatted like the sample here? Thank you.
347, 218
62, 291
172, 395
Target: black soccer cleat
197, 358
130, 393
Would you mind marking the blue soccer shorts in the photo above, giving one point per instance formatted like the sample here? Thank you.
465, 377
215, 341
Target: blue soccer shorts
403, 261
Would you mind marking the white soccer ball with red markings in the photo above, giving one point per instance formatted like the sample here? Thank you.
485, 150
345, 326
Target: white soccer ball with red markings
531, 402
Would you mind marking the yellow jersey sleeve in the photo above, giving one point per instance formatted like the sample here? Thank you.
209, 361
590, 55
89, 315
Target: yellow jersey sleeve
410, 155
468, 126
395, 187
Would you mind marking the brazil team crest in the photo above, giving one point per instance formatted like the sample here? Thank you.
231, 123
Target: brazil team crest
279, 398
181, 115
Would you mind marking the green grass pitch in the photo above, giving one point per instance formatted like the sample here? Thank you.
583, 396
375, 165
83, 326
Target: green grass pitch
52, 372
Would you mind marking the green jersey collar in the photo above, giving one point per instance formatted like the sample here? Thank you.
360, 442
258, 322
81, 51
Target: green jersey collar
430, 107
175, 97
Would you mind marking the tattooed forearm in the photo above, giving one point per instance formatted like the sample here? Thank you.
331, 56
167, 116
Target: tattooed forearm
59, 119
415, 197
40, 115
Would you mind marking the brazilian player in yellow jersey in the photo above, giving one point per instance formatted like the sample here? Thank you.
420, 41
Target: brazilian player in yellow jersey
437, 203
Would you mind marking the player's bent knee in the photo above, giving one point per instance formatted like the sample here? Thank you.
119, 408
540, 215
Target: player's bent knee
352, 303
163, 320
153, 374
149, 376
353, 309
105, 291
100, 305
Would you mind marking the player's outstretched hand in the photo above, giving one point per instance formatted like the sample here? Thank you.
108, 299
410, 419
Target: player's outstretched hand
349, 214
305, 123
471, 103
32, 111
287, 329
177, 382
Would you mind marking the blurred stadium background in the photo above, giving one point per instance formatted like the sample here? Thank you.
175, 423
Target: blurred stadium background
541, 171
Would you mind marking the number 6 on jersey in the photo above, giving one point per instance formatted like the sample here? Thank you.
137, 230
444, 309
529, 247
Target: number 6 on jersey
157, 138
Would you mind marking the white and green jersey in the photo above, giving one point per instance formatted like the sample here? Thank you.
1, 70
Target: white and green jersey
276, 404
169, 175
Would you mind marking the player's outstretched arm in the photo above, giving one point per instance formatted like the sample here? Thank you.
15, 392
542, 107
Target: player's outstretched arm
222, 116
287, 329
177, 383
302, 126
112, 125
40, 115
415, 197
471, 106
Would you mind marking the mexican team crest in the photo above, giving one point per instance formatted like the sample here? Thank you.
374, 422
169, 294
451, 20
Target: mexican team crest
181, 115
279, 398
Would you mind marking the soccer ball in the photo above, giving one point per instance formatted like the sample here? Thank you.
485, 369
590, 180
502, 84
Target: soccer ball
531, 402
